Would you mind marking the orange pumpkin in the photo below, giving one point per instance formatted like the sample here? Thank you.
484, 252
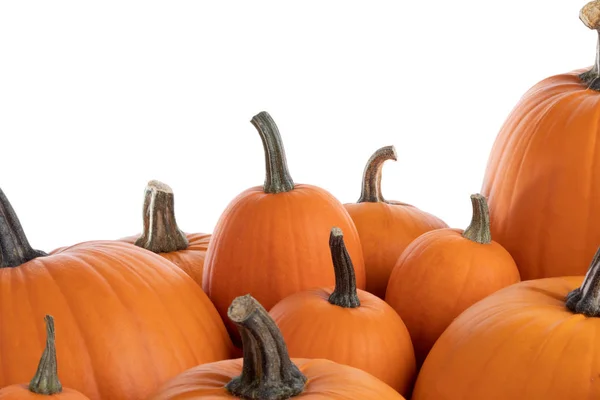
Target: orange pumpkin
267, 372
162, 236
45, 383
126, 314
444, 272
348, 326
271, 240
540, 178
385, 227
534, 340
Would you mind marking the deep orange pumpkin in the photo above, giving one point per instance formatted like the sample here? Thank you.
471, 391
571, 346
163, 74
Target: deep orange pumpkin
268, 373
162, 236
541, 178
348, 326
444, 272
534, 340
130, 319
385, 227
45, 383
271, 241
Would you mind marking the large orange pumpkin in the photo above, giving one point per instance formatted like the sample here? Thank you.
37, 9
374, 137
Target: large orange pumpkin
161, 234
443, 272
348, 326
45, 382
267, 372
271, 240
534, 340
540, 179
385, 227
130, 319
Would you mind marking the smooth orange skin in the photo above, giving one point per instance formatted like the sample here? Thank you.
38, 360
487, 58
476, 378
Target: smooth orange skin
127, 320
519, 343
542, 182
274, 245
371, 337
385, 230
21, 392
190, 260
326, 381
440, 275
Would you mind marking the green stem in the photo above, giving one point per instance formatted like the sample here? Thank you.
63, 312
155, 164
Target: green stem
345, 294
46, 380
268, 373
15, 249
371, 182
586, 299
161, 233
479, 229
590, 16
278, 178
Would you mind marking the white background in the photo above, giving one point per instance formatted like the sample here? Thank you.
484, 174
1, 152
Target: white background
97, 98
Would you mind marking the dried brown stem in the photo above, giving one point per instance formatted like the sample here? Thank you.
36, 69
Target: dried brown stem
46, 380
586, 299
345, 294
479, 229
371, 182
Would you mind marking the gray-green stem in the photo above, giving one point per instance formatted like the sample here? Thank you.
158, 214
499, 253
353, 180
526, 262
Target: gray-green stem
344, 294
15, 249
586, 299
161, 233
46, 380
278, 178
371, 181
479, 229
268, 373
590, 16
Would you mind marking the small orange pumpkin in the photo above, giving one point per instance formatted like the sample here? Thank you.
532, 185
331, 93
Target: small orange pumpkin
162, 236
385, 227
45, 383
534, 340
271, 240
267, 372
443, 272
348, 326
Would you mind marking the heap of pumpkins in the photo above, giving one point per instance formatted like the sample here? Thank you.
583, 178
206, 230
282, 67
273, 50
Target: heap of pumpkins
296, 294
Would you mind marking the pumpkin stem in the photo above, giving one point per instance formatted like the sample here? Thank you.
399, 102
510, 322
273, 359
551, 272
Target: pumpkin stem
268, 373
586, 299
479, 229
278, 178
371, 183
14, 246
344, 294
46, 380
590, 16
161, 233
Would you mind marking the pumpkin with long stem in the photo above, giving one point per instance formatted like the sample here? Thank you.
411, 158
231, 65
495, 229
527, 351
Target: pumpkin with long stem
271, 240
162, 236
540, 179
126, 314
444, 272
266, 371
534, 340
385, 227
353, 327
45, 382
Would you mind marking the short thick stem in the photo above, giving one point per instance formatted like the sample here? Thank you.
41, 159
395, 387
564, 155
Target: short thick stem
268, 373
586, 299
161, 233
371, 183
590, 16
479, 229
15, 249
344, 294
46, 380
278, 178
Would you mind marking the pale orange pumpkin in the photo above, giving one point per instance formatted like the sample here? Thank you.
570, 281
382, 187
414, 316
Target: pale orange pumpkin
385, 227
348, 325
